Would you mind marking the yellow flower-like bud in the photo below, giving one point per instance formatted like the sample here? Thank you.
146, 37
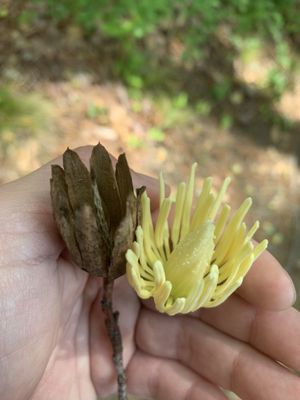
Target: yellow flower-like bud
201, 258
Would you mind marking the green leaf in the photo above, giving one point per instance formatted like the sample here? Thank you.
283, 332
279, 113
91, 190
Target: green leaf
93, 111
203, 107
181, 101
226, 121
156, 134
135, 142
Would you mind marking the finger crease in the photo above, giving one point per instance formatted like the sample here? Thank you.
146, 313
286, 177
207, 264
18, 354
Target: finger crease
252, 327
235, 369
156, 380
190, 391
184, 348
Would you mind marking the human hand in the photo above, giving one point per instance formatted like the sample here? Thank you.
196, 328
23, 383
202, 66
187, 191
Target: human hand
52, 328
53, 340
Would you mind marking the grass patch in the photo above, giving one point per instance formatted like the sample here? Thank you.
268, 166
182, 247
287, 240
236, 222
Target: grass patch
22, 115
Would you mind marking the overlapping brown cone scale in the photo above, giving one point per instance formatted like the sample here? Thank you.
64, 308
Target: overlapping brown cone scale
96, 211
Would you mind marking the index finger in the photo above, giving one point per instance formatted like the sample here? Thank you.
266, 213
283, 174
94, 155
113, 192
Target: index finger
268, 285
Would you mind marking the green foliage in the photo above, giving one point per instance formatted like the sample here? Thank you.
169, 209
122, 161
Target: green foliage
221, 90
14, 112
134, 26
20, 114
93, 111
180, 101
3, 12
226, 121
203, 108
156, 134
277, 82
174, 111
134, 141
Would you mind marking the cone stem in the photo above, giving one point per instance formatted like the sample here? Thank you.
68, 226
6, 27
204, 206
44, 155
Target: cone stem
114, 333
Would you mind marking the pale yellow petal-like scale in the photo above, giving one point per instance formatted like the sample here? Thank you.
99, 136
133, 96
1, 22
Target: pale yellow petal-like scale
132, 258
129, 274
160, 224
161, 295
245, 266
137, 283
238, 258
229, 232
207, 209
144, 294
219, 198
211, 282
142, 258
139, 233
169, 302
185, 226
219, 300
260, 248
166, 241
136, 266
225, 269
238, 241
201, 201
147, 224
146, 273
151, 256
221, 222
252, 230
221, 288
176, 227
193, 297
149, 285
242, 211
223, 246
159, 273
176, 307
161, 188
136, 248
146, 239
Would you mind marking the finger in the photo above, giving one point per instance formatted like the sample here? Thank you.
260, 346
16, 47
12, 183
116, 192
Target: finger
163, 379
268, 285
217, 357
273, 333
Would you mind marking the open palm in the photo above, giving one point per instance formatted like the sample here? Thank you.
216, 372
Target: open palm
53, 341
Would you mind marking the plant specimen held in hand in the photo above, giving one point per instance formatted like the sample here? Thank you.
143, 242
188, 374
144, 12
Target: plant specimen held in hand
197, 258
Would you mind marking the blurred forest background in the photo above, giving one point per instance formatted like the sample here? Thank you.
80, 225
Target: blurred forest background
168, 81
